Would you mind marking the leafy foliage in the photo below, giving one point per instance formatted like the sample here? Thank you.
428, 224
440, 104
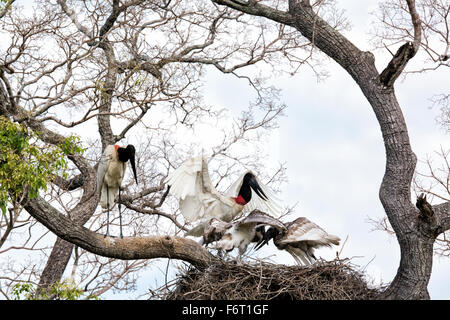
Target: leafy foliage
27, 165
66, 290
6, 4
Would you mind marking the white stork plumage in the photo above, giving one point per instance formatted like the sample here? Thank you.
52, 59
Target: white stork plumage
200, 201
299, 237
110, 173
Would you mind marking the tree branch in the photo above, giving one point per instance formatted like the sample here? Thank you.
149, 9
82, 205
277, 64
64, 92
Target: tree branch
6, 8
405, 53
128, 248
257, 9
442, 212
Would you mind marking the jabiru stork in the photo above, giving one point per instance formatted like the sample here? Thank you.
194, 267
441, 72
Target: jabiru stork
299, 237
200, 201
110, 173
240, 233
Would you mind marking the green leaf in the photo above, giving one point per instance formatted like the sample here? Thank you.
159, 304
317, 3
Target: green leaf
27, 162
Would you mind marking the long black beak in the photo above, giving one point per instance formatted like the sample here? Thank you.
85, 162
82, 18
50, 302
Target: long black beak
261, 243
131, 150
133, 166
266, 236
255, 186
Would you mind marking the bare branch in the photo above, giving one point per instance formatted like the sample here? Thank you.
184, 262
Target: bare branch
406, 52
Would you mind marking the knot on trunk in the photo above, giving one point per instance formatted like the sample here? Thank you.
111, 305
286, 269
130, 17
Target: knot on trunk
426, 212
167, 242
397, 64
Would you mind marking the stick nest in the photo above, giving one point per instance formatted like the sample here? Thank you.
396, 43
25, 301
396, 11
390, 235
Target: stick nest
335, 280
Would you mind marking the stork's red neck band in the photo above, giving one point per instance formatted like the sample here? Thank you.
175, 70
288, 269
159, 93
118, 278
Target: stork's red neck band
240, 200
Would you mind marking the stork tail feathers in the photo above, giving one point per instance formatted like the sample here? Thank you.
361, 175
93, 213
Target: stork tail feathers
300, 257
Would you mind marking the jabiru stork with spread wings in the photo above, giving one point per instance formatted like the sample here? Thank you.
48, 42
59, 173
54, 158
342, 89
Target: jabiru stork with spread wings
110, 173
200, 201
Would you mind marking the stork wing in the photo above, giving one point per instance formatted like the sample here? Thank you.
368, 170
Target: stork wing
103, 165
257, 218
303, 230
183, 181
191, 184
186, 183
271, 205
214, 230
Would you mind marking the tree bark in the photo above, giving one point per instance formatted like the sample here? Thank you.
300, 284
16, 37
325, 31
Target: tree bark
56, 264
128, 248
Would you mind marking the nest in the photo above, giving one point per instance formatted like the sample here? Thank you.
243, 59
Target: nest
335, 280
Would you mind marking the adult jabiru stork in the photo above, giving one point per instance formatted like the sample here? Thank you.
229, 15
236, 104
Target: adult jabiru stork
200, 201
299, 237
110, 173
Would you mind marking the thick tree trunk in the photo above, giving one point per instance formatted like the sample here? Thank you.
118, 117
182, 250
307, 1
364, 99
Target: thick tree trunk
56, 264
414, 272
415, 234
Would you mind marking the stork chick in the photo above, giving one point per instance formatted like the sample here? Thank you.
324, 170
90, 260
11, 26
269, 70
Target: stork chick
299, 237
240, 233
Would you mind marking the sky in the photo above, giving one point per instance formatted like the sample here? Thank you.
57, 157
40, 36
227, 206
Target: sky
331, 144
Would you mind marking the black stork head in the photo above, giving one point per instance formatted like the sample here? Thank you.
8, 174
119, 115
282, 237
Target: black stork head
249, 182
266, 236
259, 234
126, 154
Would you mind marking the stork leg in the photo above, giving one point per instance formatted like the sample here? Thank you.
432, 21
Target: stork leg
120, 216
107, 204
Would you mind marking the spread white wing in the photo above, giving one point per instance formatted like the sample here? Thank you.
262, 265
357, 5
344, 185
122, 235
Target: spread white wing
271, 205
198, 199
